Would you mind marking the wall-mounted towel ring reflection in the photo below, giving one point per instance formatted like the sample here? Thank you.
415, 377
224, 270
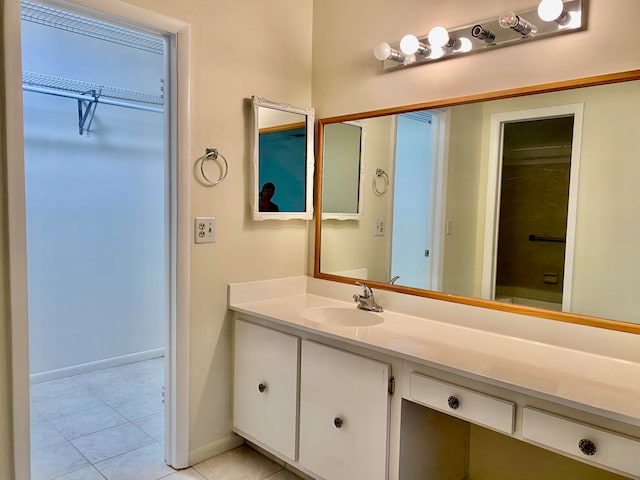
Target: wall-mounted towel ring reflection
380, 188
213, 154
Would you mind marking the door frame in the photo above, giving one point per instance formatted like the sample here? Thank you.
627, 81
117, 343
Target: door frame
440, 128
494, 179
178, 34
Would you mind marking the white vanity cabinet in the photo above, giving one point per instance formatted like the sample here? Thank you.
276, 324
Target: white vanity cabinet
323, 410
265, 387
344, 414
317, 397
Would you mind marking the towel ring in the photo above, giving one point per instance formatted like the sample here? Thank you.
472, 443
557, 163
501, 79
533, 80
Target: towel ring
213, 154
380, 173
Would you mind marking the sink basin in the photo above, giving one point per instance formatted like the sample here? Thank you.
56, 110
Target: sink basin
342, 316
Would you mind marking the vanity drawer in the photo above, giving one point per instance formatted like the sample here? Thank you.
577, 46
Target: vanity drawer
463, 403
582, 441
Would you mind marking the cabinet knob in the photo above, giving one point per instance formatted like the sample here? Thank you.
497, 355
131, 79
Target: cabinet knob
453, 403
587, 446
262, 387
337, 422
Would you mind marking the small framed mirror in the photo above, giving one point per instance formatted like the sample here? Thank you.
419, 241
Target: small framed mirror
283, 161
343, 171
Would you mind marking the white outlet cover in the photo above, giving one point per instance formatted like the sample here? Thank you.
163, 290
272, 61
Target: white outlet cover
204, 230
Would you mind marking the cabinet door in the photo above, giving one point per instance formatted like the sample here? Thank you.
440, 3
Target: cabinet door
344, 414
266, 386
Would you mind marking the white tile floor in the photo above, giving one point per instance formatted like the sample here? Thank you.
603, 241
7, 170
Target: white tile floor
109, 424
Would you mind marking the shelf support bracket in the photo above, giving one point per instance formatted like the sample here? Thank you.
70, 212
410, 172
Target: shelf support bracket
87, 110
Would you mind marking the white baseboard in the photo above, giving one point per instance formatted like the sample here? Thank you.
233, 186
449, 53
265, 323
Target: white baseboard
215, 448
97, 365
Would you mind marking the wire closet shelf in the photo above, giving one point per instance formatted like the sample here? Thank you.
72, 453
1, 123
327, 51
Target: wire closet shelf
90, 27
89, 94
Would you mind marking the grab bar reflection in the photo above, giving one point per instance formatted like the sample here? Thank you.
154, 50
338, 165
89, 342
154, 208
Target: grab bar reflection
537, 238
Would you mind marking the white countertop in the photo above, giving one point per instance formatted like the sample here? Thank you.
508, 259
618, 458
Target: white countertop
597, 369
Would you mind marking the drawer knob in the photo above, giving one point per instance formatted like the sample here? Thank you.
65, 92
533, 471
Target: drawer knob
262, 387
453, 403
587, 446
337, 422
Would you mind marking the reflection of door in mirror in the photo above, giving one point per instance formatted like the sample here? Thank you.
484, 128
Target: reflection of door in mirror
531, 237
412, 230
534, 200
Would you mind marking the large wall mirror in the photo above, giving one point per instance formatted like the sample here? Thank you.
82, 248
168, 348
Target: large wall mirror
283, 161
524, 201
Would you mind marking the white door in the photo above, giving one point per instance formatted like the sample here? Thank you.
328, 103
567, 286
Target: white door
265, 386
344, 414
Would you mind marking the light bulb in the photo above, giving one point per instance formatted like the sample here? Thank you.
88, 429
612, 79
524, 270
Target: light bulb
465, 45
438, 36
409, 44
572, 20
436, 52
508, 20
551, 10
383, 51
517, 23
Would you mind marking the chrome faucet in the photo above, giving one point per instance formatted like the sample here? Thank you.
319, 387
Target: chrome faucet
366, 301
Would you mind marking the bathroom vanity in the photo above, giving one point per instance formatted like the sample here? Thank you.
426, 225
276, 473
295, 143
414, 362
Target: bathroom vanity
339, 393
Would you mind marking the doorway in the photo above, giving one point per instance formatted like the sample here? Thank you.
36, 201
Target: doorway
531, 207
419, 187
174, 207
97, 238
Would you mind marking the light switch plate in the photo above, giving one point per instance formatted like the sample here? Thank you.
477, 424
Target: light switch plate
204, 230
379, 228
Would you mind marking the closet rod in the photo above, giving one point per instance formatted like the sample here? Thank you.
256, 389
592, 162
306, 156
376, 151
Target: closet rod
79, 96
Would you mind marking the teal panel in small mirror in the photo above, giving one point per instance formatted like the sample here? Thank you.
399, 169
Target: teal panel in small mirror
282, 168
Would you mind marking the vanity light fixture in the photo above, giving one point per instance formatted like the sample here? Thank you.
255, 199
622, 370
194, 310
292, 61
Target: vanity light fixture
515, 22
510, 28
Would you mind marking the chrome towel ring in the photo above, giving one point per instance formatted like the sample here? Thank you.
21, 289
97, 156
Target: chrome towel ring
379, 191
213, 154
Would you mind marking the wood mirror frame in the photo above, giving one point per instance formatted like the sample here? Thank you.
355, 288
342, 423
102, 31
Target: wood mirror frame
477, 302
